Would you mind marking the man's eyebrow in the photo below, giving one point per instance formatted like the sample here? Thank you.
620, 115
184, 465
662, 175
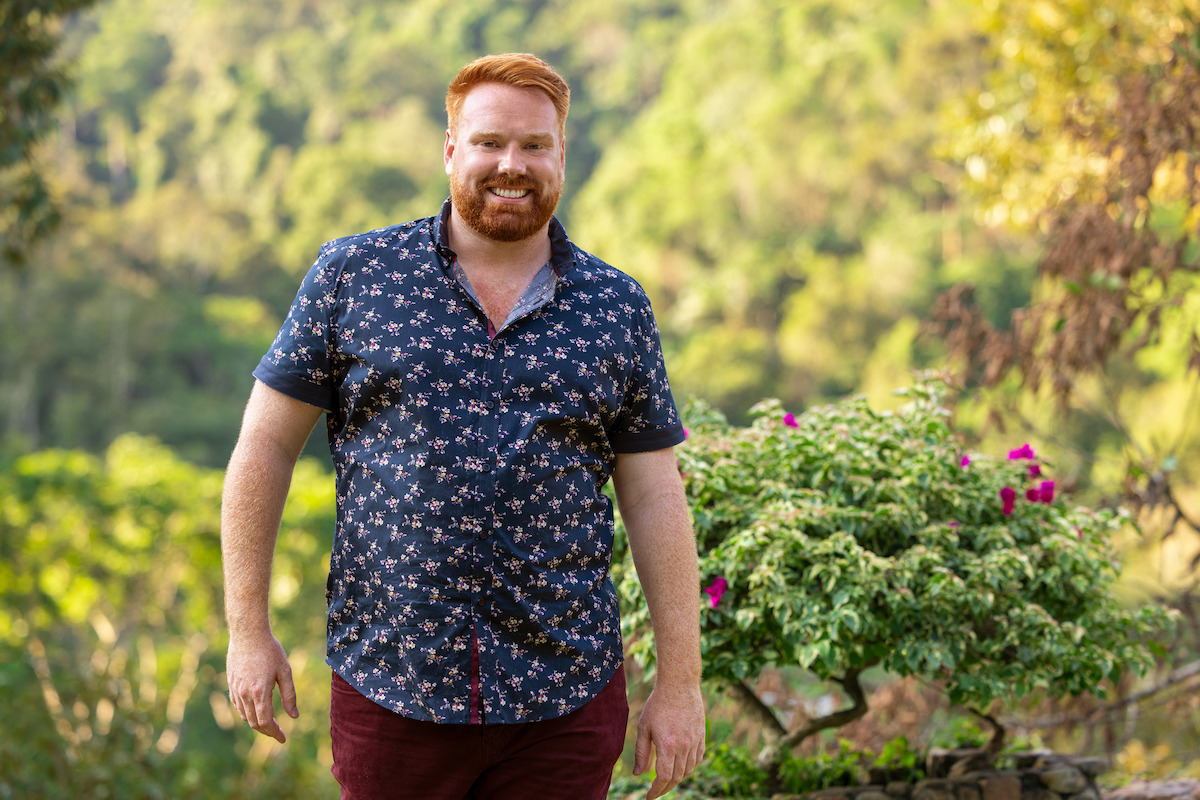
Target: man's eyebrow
539, 136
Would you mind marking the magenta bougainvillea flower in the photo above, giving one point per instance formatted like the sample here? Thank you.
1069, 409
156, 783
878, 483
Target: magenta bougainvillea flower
789, 419
1024, 451
1042, 493
686, 433
1009, 496
714, 592
1035, 470
966, 461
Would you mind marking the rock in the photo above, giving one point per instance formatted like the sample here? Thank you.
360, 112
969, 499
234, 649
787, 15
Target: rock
872, 793
836, 793
934, 789
1029, 758
900, 789
940, 760
1091, 767
1158, 790
997, 785
1039, 793
967, 790
1062, 779
1089, 793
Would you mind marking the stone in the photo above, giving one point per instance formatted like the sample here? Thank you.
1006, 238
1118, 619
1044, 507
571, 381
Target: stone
1062, 779
998, 785
967, 790
1184, 789
836, 793
1091, 767
1039, 793
1089, 793
900, 789
940, 760
934, 789
1026, 759
872, 793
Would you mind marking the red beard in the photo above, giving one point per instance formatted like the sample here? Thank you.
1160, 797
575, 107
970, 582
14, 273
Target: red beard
500, 222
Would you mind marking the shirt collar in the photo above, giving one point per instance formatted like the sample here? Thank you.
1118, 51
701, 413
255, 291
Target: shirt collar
562, 255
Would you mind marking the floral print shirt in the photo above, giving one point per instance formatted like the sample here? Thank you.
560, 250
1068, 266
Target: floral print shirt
469, 466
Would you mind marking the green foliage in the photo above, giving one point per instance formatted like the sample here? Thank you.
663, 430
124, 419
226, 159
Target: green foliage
901, 761
31, 87
730, 771
852, 538
111, 632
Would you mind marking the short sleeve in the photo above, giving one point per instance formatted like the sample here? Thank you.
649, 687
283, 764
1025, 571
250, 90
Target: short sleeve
300, 361
648, 419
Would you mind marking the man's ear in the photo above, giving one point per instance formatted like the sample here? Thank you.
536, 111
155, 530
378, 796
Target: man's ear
448, 150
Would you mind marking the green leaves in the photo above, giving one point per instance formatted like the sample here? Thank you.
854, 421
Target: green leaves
859, 537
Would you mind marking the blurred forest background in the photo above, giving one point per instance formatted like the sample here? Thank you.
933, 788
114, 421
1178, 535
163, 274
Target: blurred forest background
819, 197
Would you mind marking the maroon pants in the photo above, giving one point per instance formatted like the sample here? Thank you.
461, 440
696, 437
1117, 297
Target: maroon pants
380, 755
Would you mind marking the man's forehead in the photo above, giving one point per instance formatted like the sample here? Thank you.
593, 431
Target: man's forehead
499, 99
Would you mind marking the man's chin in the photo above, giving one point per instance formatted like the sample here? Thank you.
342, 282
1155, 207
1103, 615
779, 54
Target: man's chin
509, 230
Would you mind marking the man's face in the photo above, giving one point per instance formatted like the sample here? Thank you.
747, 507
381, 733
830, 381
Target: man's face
506, 162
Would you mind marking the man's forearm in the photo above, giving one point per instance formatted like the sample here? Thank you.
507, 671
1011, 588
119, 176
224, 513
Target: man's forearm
654, 510
256, 487
665, 557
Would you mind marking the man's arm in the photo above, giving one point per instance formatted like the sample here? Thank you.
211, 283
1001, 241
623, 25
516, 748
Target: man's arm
654, 510
274, 430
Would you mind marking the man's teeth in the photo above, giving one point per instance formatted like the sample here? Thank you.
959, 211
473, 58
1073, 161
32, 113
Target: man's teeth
511, 193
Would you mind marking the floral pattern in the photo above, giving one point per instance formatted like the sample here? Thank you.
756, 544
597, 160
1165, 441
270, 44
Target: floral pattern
469, 468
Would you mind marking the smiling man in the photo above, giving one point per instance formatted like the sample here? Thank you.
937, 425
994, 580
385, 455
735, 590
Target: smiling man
482, 379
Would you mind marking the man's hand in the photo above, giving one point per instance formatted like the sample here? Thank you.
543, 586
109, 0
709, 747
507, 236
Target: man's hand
671, 734
253, 667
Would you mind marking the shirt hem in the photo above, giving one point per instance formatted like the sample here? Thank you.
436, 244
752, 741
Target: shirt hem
296, 388
659, 439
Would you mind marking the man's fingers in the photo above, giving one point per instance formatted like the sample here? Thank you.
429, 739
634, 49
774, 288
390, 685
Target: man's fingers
273, 730
665, 778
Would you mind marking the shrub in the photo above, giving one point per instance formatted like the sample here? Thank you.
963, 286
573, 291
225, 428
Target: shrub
848, 538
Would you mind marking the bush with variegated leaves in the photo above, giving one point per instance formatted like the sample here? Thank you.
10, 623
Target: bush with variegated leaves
847, 538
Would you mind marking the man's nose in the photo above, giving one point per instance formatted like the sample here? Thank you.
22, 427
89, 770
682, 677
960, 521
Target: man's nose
511, 159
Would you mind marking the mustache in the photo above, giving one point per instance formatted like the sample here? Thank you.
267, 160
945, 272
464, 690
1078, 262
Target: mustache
502, 182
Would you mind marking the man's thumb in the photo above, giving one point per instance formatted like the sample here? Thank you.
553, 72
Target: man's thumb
642, 750
287, 693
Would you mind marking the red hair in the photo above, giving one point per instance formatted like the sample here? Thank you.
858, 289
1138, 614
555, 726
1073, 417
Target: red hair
522, 70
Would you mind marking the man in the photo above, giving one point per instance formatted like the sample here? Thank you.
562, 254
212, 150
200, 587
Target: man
483, 379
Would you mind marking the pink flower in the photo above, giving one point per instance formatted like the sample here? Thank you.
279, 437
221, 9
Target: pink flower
1035, 470
1009, 496
1033, 494
686, 432
789, 419
715, 591
1046, 492
1024, 451
966, 461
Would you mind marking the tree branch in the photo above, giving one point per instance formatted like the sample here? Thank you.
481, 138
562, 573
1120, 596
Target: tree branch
772, 753
750, 702
1178, 676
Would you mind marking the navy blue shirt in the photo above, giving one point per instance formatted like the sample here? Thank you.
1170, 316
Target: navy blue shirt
469, 465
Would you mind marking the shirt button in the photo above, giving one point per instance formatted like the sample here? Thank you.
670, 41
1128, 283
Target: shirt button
489, 405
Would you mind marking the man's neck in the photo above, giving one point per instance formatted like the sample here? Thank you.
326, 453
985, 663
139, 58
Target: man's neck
499, 272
